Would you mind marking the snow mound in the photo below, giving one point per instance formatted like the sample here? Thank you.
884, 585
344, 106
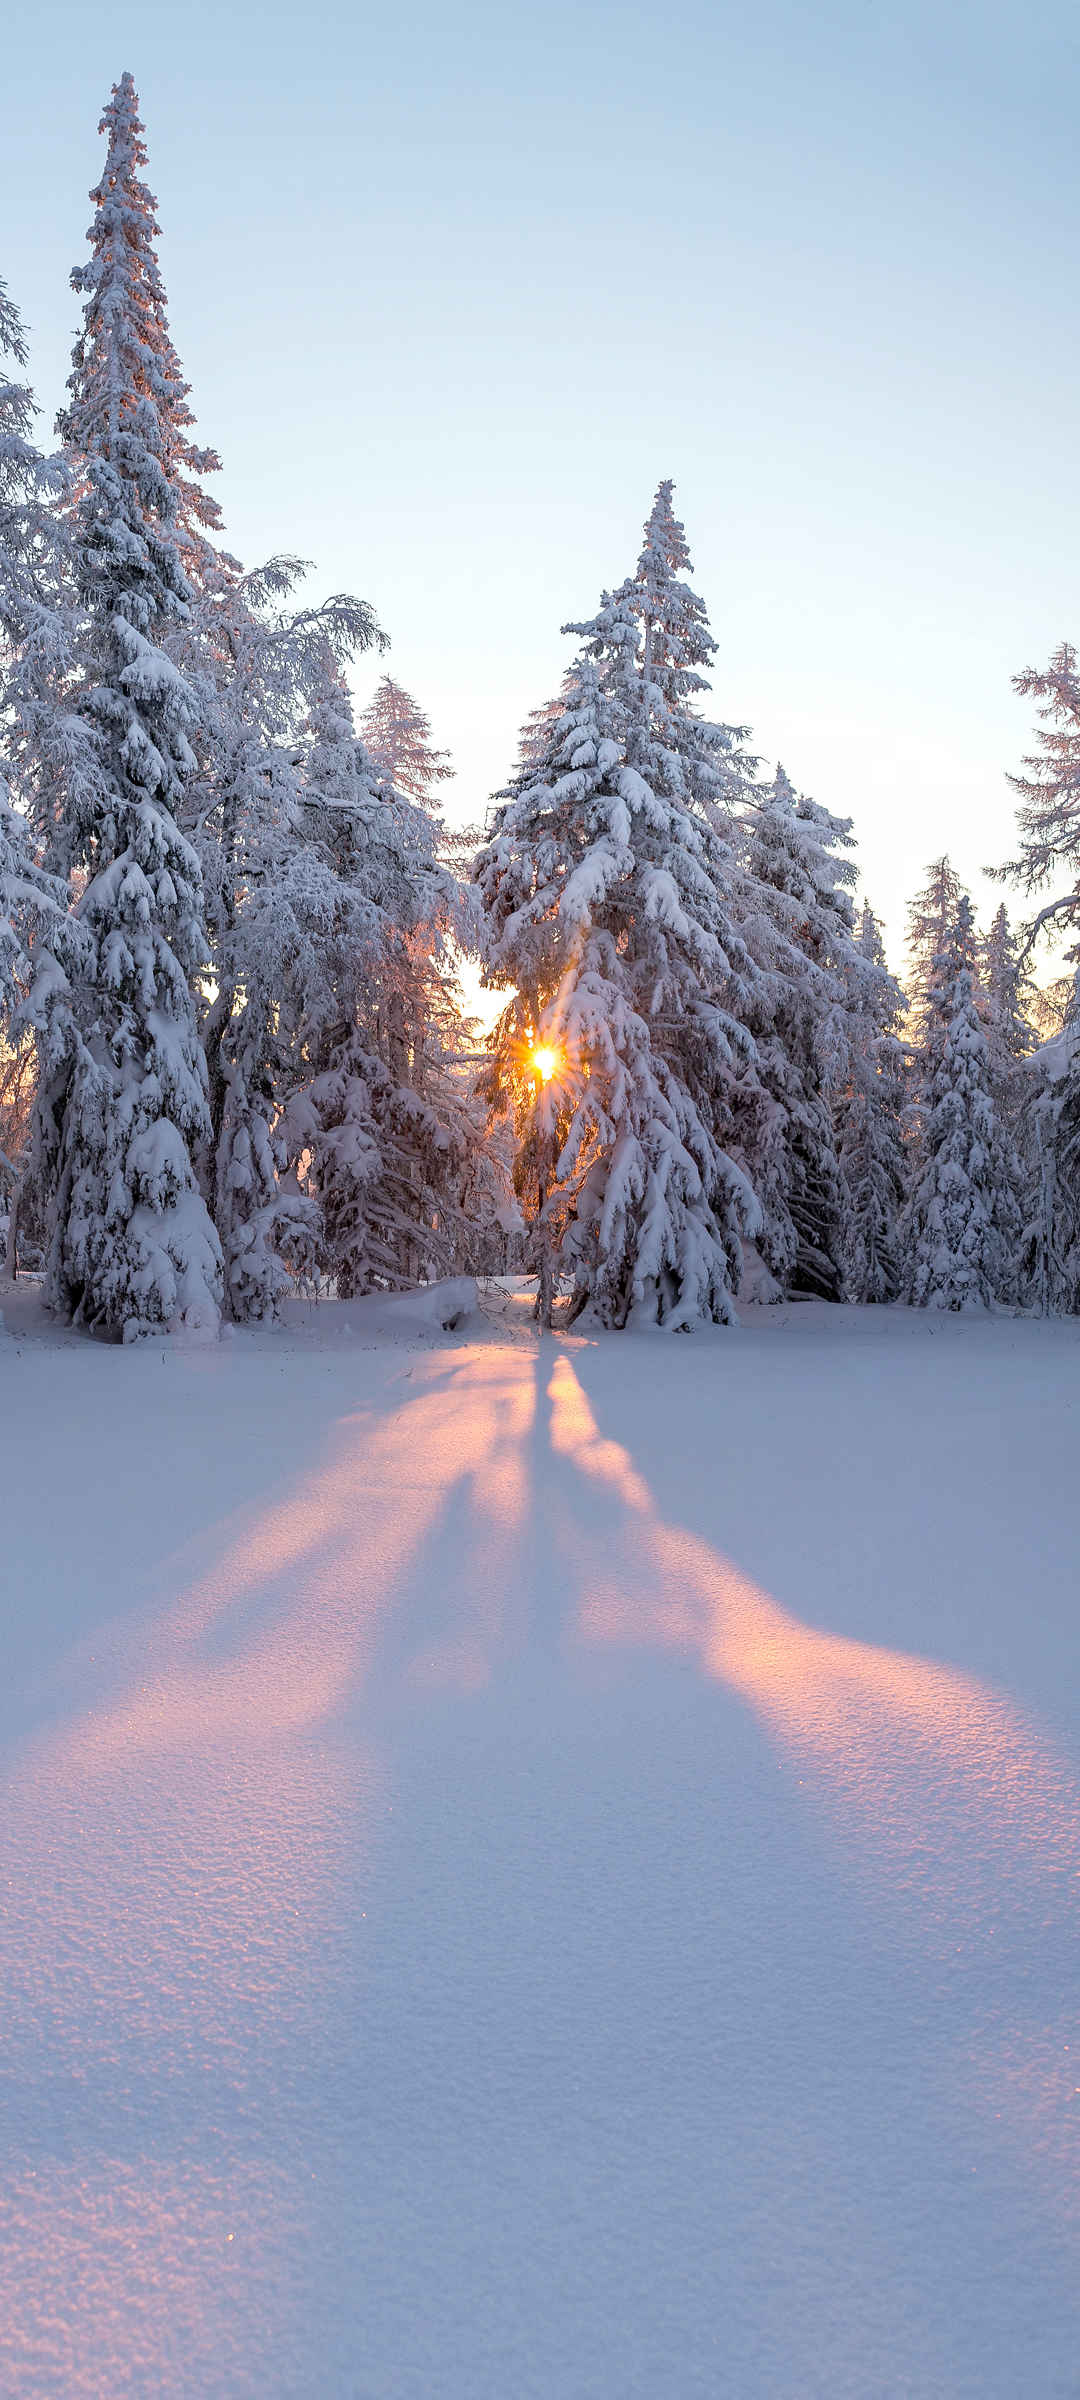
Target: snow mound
434, 1308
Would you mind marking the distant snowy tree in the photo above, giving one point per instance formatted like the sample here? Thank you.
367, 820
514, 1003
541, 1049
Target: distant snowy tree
1006, 994
123, 1116
931, 916
397, 733
1048, 819
870, 1117
961, 1226
1050, 1127
798, 925
1048, 816
607, 903
1005, 998
378, 1125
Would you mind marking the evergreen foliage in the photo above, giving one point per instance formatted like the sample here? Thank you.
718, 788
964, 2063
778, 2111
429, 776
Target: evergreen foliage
378, 1125
930, 919
123, 1119
1050, 1126
961, 1226
33, 636
1048, 816
258, 665
606, 891
1048, 1122
1006, 990
871, 1142
798, 924
229, 923
397, 733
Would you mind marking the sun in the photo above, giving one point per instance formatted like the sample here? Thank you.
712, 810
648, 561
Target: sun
544, 1061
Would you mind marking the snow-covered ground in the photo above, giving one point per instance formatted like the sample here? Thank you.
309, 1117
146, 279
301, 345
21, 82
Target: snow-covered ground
535, 1871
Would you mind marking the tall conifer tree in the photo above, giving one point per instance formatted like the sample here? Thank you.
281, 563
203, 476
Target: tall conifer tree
606, 886
961, 1225
123, 1114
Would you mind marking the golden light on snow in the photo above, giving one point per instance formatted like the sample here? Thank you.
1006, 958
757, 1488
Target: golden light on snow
174, 1858
544, 1061
919, 1764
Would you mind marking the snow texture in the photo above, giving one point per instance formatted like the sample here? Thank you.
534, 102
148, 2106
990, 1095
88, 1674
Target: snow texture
500, 1901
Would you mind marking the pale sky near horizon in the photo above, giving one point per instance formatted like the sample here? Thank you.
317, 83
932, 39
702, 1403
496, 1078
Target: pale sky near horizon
455, 288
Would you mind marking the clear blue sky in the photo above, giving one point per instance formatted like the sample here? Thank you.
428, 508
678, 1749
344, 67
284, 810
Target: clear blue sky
455, 287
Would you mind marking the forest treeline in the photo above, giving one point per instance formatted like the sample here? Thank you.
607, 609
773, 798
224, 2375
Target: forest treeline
233, 1060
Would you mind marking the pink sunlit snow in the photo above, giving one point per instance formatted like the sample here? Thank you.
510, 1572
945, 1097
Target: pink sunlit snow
499, 1901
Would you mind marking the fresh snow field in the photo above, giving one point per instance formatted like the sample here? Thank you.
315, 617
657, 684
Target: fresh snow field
542, 1871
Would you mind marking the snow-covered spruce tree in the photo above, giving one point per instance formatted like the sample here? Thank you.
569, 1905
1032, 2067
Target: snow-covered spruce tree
1048, 819
34, 939
931, 917
33, 635
797, 920
870, 1120
704, 766
1006, 990
793, 963
37, 935
381, 1124
960, 1228
264, 963
397, 733
241, 670
704, 761
1004, 995
1050, 1129
534, 738
252, 660
47, 761
606, 905
122, 1112
255, 663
